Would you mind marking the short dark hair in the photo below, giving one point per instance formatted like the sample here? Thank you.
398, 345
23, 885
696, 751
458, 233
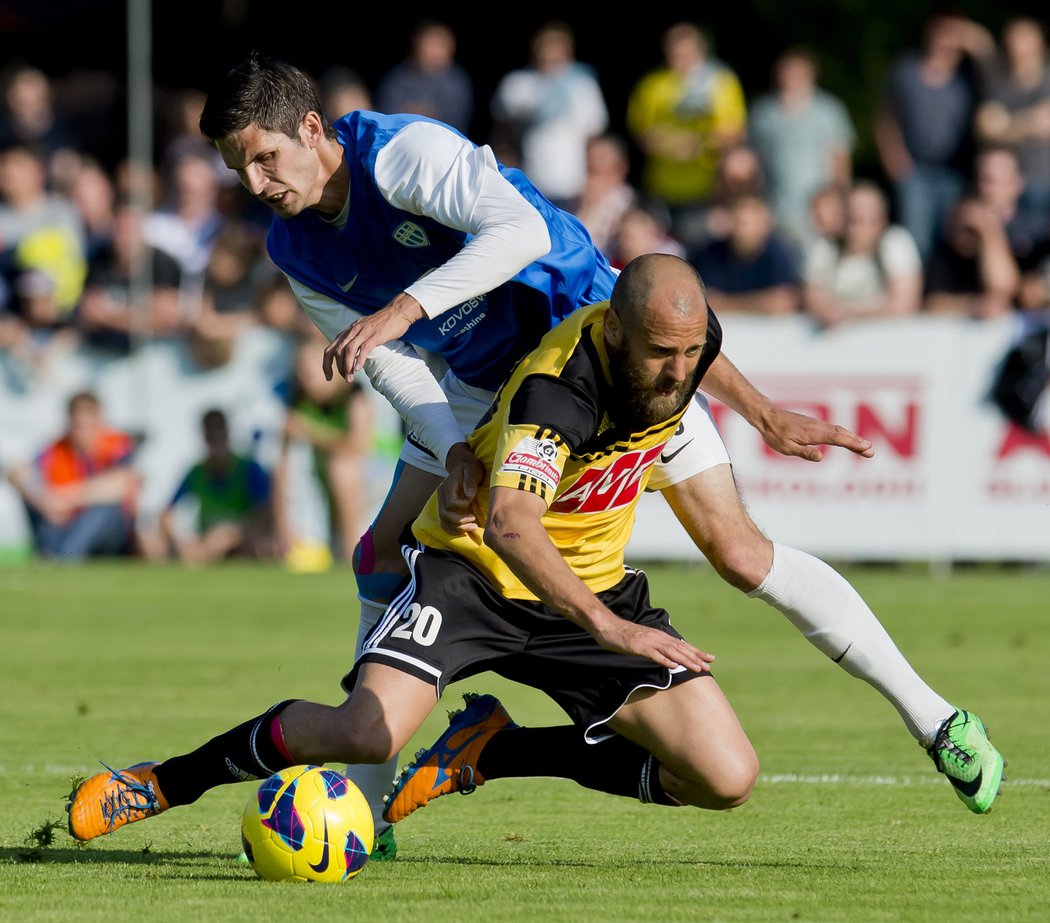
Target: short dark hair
800, 53
262, 91
83, 399
28, 148
213, 419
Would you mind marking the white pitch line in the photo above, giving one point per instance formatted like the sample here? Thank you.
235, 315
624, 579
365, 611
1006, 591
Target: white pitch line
790, 778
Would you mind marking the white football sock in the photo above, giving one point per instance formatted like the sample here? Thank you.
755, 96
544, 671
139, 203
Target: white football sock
374, 779
821, 604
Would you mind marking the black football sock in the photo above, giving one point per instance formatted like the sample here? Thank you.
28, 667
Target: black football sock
615, 765
248, 751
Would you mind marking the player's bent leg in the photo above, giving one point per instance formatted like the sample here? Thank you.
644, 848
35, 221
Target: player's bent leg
816, 599
373, 723
384, 710
378, 565
482, 743
379, 570
705, 757
409, 491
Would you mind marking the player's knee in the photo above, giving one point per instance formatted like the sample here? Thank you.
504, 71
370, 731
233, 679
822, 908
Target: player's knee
728, 786
366, 739
742, 560
734, 785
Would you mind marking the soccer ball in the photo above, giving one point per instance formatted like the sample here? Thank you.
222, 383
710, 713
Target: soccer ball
307, 823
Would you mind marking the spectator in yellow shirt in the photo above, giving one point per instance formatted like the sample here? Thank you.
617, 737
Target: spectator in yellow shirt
683, 115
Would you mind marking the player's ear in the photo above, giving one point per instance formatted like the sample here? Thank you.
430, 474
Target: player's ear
311, 129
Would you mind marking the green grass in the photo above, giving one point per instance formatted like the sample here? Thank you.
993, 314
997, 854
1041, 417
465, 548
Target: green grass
849, 820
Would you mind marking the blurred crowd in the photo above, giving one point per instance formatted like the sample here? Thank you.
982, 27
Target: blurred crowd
759, 192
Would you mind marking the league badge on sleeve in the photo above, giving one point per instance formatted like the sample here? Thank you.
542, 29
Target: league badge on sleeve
536, 458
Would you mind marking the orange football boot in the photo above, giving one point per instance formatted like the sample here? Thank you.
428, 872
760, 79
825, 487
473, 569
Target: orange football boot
111, 799
450, 763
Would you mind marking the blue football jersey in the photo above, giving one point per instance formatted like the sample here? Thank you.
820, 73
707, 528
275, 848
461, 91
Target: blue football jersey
381, 250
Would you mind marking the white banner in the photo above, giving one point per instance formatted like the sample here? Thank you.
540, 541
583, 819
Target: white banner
951, 478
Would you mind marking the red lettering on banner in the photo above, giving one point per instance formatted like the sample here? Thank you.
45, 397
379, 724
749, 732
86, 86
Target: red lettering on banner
902, 440
786, 490
896, 426
1017, 438
600, 489
1019, 491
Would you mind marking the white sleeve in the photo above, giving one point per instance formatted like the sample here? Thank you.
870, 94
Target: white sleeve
428, 170
516, 96
820, 261
396, 371
589, 109
899, 253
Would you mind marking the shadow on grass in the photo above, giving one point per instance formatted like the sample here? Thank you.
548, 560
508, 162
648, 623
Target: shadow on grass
631, 864
71, 855
176, 860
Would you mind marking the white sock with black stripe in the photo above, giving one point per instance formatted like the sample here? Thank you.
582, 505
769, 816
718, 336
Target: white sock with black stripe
831, 615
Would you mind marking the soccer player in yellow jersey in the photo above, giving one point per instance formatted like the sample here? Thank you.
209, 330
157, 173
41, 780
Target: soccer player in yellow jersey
575, 426
542, 597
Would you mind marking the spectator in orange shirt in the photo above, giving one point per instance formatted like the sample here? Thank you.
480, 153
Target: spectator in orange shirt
80, 491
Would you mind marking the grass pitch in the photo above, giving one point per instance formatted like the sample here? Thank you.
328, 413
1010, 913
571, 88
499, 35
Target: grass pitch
848, 822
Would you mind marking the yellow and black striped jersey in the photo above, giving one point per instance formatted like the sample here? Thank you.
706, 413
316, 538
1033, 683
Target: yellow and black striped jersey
553, 429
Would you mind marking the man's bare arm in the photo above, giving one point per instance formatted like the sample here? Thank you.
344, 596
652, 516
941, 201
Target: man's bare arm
516, 533
787, 432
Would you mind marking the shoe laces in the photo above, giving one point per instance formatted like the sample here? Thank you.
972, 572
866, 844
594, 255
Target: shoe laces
131, 798
467, 786
946, 747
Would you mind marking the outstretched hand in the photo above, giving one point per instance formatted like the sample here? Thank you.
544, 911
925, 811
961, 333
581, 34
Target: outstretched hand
796, 434
349, 349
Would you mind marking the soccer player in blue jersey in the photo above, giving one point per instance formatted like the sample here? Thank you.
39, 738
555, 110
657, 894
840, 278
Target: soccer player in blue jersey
404, 240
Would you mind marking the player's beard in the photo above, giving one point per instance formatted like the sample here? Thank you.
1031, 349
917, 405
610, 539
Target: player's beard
639, 402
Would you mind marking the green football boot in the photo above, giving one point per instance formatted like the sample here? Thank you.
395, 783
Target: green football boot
385, 847
963, 752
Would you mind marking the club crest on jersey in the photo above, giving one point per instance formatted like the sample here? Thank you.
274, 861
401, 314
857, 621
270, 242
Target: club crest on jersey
409, 234
535, 458
599, 489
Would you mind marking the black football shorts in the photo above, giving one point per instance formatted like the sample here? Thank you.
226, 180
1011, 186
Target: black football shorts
449, 623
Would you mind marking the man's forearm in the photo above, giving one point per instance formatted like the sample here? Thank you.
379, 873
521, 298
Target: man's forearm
527, 550
724, 382
112, 486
